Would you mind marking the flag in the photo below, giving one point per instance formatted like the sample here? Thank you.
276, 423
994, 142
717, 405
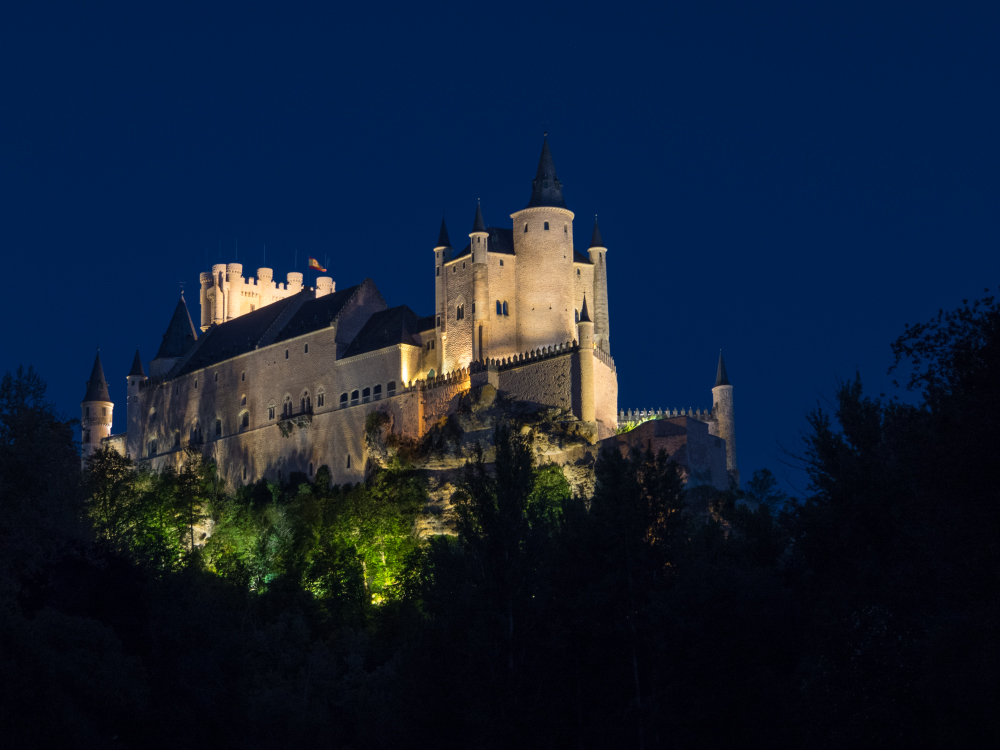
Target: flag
315, 266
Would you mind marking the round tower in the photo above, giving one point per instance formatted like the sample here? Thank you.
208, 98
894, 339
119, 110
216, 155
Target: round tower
136, 380
543, 245
95, 411
219, 298
722, 409
294, 282
598, 256
442, 254
207, 302
265, 285
588, 410
480, 287
234, 297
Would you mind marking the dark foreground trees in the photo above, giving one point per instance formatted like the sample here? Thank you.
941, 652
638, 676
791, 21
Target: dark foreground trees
864, 615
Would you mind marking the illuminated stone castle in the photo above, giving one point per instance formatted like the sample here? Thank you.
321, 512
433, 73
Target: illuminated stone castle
283, 375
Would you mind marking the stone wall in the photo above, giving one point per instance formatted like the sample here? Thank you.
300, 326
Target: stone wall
605, 395
546, 382
702, 457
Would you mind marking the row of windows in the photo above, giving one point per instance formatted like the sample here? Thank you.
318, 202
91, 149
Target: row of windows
454, 269
310, 467
545, 227
366, 395
502, 309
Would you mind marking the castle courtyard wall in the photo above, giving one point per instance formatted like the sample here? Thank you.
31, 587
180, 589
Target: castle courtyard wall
545, 382
687, 441
605, 396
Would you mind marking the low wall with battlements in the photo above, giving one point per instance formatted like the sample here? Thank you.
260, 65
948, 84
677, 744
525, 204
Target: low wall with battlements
686, 440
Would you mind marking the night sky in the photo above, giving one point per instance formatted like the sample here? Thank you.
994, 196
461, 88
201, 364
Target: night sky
790, 183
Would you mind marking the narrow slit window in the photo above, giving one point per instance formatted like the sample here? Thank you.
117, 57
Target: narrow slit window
526, 227
499, 307
505, 308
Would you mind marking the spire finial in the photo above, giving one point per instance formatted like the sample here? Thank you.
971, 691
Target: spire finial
478, 225
584, 314
546, 189
721, 378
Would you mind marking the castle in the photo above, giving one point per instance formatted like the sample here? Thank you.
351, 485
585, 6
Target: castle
282, 376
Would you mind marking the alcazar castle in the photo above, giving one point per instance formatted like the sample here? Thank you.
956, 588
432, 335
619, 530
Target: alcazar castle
282, 376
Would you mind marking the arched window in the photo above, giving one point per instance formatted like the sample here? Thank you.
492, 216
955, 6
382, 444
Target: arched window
499, 308
320, 399
377, 392
546, 226
286, 408
505, 307
243, 401
307, 349
391, 388
525, 226
216, 377
354, 398
218, 427
152, 448
270, 410
243, 376
431, 374
343, 400
177, 440
245, 420
460, 312
366, 395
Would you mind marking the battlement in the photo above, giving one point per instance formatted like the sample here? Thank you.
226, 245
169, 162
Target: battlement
638, 416
226, 293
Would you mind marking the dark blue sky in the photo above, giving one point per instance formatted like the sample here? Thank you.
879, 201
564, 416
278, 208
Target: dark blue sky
791, 182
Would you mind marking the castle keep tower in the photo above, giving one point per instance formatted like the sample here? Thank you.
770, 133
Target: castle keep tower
722, 409
95, 411
442, 254
543, 244
586, 355
480, 287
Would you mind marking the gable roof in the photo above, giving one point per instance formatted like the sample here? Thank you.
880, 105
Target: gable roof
397, 325
316, 313
180, 333
500, 241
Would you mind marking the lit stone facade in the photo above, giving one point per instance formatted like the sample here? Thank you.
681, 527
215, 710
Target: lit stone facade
283, 376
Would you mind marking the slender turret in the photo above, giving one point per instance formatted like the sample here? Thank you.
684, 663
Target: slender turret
588, 411
598, 256
95, 411
722, 410
442, 254
479, 249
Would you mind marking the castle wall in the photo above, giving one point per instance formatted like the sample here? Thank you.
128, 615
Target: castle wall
503, 328
701, 456
546, 382
583, 283
458, 333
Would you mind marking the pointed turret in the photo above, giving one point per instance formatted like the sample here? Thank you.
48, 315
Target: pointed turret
478, 225
721, 378
546, 190
443, 239
584, 315
97, 386
595, 239
177, 340
137, 371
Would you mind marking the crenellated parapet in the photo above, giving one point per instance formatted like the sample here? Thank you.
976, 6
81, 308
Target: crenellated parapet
637, 416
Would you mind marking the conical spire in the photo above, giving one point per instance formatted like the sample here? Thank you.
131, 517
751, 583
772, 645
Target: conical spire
479, 225
584, 315
443, 240
720, 376
596, 240
97, 386
546, 190
180, 333
137, 370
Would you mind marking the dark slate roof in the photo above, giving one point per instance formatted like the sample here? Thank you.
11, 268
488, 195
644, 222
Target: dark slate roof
546, 190
236, 336
426, 324
443, 240
499, 241
97, 386
596, 240
397, 325
137, 370
180, 333
316, 313
478, 225
579, 257
584, 315
720, 375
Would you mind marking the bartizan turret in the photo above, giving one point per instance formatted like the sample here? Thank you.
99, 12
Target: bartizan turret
136, 380
95, 411
543, 244
588, 411
180, 336
722, 410
442, 254
478, 248
598, 256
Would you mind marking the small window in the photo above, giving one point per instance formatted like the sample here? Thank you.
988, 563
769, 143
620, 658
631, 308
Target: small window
152, 447
135, 399
438, 321
499, 308
454, 269
244, 473
245, 420
473, 308
86, 437
463, 262
504, 308
354, 398
104, 411
546, 227
501, 262
270, 412
196, 383
438, 269
343, 400
216, 377
348, 460
286, 354
366, 395
391, 388
86, 410
576, 315
377, 392
177, 440
243, 376
218, 427
243, 401
307, 349
565, 229
310, 468
578, 272
320, 398
460, 312
152, 418
526, 227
